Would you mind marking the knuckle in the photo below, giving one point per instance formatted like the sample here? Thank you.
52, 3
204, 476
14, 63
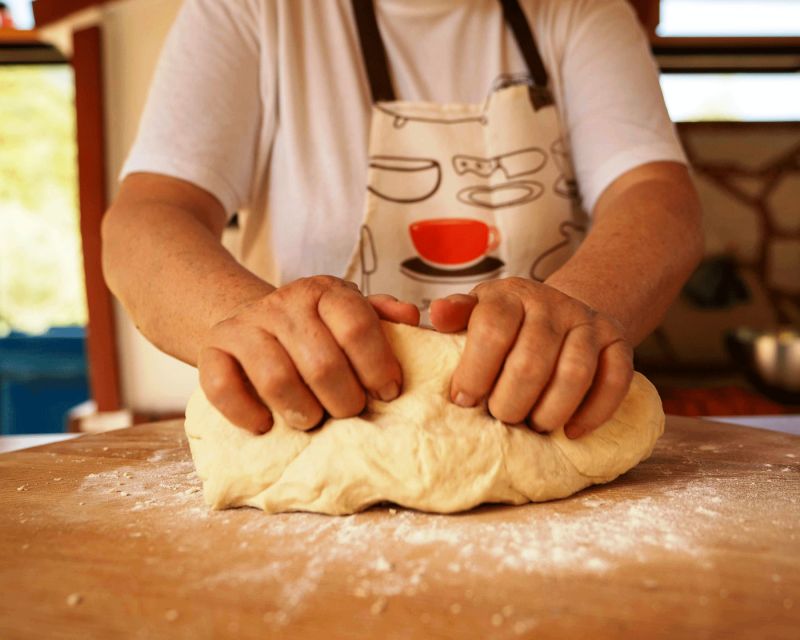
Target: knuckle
526, 356
577, 369
522, 367
216, 385
279, 296
321, 369
608, 326
275, 381
214, 372
619, 378
312, 286
510, 307
489, 337
626, 350
356, 329
540, 327
519, 285
226, 331
322, 283
329, 281
576, 314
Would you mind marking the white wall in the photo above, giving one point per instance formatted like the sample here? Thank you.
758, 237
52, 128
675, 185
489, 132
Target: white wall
133, 31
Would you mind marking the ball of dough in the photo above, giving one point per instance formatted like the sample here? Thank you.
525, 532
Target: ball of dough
419, 451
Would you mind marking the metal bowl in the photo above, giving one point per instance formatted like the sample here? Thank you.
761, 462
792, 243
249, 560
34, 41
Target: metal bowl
771, 360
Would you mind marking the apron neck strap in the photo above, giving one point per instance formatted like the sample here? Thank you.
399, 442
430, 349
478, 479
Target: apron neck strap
376, 62
373, 51
516, 20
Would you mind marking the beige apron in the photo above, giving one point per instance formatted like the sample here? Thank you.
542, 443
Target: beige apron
462, 193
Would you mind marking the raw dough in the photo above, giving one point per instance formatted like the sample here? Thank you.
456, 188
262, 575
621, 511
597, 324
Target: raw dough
419, 451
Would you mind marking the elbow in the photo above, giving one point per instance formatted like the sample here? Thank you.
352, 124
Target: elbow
695, 236
110, 250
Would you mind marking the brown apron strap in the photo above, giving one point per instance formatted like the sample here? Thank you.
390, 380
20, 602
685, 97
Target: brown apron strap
376, 62
516, 20
373, 51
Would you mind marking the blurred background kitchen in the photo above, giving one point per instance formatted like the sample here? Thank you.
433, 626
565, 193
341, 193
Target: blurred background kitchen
73, 79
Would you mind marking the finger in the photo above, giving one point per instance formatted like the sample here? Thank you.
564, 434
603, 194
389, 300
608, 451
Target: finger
351, 285
390, 308
492, 330
321, 363
355, 327
527, 370
227, 389
452, 313
611, 383
277, 382
571, 380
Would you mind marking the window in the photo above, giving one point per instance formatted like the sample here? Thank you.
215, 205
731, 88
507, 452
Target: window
22, 13
755, 97
733, 18
730, 60
42, 300
41, 279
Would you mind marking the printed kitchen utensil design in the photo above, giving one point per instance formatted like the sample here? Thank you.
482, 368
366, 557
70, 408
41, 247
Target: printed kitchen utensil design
462, 193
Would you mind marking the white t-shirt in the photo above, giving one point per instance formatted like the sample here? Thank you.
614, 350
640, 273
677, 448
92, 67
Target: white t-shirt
266, 105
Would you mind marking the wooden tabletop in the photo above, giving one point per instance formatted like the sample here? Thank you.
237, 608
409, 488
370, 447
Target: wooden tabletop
107, 536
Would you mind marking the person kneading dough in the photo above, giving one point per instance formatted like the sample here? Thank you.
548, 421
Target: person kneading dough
502, 170
420, 450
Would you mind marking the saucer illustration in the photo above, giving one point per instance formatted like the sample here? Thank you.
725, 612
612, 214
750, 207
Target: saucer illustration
416, 269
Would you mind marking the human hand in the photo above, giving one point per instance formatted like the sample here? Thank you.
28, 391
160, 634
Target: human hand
539, 355
313, 345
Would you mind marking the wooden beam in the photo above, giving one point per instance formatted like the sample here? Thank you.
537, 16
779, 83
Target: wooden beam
729, 44
48, 11
101, 334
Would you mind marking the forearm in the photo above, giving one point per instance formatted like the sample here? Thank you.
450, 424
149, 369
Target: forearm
644, 243
172, 274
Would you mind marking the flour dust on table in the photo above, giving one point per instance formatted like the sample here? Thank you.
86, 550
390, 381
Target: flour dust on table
420, 451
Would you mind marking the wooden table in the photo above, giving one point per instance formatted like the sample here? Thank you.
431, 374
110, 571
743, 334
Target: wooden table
107, 536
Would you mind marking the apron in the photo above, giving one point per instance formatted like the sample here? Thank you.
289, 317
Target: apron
462, 193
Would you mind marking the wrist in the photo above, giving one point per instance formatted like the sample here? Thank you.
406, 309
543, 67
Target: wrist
596, 294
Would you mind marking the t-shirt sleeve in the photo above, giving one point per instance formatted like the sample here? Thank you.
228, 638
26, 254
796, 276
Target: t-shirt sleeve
615, 111
203, 116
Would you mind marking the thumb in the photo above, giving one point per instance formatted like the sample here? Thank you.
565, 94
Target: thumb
390, 308
452, 313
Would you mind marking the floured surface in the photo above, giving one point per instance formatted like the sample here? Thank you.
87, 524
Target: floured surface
701, 540
389, 552
419, 451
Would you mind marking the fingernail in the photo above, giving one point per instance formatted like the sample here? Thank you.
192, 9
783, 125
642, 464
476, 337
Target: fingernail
574, 431
463, 400
389, 392
296, 420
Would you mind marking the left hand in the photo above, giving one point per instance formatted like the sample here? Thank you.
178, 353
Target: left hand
537, 354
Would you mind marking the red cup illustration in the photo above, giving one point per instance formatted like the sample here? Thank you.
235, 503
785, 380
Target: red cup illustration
453, 243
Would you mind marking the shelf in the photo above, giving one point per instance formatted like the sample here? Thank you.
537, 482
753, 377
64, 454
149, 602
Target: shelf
18, 36
46, 12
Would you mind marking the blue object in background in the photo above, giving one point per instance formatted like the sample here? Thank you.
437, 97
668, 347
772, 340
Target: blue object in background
41, 379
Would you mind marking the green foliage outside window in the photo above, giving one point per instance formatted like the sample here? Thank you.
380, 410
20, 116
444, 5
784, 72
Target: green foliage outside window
41, 277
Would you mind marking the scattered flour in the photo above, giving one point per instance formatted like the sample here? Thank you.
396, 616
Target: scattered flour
389, 552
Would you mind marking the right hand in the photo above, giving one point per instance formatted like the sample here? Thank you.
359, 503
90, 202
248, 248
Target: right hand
313, 346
